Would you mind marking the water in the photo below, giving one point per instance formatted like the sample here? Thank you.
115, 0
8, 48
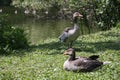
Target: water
40, 29
43, 29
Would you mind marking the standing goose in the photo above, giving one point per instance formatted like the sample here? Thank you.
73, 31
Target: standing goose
81, 63
72, 33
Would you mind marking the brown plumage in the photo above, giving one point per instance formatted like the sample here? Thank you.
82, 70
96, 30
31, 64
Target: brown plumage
70, 34
81, 63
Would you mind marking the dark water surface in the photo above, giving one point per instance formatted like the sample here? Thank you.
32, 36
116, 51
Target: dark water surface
38, 29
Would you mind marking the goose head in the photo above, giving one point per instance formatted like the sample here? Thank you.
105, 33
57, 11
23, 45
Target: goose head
77, 14
71, 53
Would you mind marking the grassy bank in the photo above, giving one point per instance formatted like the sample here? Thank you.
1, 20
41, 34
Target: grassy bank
44, 60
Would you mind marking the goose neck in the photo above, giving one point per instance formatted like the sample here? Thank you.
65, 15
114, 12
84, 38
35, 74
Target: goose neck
72, 57
75, 25
75, 20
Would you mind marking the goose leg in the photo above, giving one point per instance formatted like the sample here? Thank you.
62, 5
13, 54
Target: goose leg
70, 45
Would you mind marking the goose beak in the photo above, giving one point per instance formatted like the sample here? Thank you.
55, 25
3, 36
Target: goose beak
80, 15
65, 53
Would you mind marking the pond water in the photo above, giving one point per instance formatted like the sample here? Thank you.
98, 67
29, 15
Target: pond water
40, 29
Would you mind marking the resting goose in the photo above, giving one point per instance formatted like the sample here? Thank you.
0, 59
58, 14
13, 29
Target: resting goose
82, 64
72, 33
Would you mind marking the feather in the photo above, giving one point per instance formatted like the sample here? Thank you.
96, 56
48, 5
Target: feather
70, 34
63, 37
94, 57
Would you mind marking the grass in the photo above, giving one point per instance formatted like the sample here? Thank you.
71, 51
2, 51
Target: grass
44, 61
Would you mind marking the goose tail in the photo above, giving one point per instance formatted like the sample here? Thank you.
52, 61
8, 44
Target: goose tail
106, 62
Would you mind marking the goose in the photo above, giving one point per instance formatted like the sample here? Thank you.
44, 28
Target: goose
81, 64
70, 34
16, 11
27, 11
1, 10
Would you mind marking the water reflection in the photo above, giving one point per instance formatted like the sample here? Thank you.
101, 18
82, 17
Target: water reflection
44, 29
39, 29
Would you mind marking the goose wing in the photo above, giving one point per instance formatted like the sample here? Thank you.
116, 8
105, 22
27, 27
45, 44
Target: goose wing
87, 64
94, 57
64, 36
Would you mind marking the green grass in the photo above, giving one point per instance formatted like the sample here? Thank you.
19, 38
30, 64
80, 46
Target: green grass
44, 61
